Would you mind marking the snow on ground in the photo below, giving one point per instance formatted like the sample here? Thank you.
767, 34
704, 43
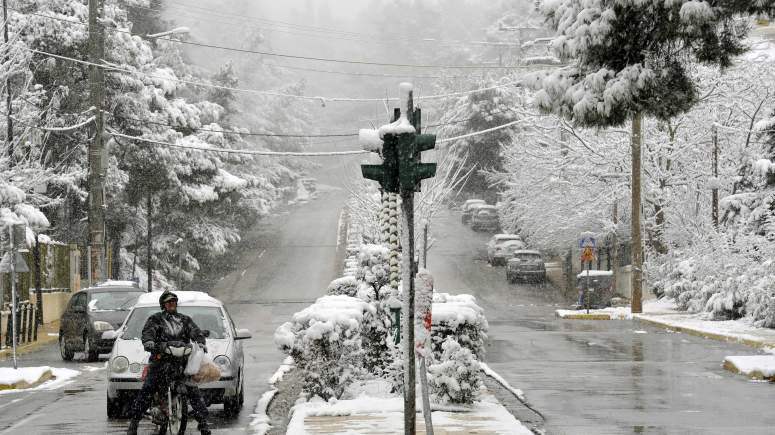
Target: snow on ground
756, 366
30, 375
284, 368
259, 424
491, 373
367, 414
614, 313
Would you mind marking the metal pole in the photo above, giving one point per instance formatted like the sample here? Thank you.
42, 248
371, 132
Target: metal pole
38, 285
407, 257
425, 246
407, 278
9, 99
586, 293
96, 147
13, 295
88, 265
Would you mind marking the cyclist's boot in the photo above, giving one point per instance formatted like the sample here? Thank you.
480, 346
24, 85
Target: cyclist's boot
132, 427
204, 429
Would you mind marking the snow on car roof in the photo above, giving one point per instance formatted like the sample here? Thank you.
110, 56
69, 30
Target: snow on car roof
515, 242
595, 273
475, 201
506, 237
117, 283
487, 207
526, 251
184, 298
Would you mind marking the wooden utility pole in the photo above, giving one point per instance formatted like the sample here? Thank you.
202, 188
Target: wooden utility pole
637, 249
714, 192
9, 98
148, 244
96, 146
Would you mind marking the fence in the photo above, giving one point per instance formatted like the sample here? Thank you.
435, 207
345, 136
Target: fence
26, 324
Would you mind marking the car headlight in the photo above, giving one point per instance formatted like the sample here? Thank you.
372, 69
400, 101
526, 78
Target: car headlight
101, 326
119, 364
223, 362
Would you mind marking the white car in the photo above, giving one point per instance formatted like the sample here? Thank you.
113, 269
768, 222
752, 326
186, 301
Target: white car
128, 358
496, 252
468, 208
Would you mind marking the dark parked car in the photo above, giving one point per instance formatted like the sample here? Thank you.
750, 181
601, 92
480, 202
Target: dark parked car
485, 218
90, 313
526, 265
599, 288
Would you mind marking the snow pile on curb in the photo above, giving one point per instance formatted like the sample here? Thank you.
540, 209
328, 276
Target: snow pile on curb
753, 366
34, 378
493, 374
612, 313
259, 425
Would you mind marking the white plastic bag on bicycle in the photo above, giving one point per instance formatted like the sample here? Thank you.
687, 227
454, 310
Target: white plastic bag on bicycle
208, 371
194, 360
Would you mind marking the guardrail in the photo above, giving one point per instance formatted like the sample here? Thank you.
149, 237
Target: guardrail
26, 326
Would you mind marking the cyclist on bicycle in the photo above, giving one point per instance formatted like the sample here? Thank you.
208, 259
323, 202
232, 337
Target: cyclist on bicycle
160, 328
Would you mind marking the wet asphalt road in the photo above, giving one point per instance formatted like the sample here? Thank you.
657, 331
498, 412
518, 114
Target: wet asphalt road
292, 258
598, 377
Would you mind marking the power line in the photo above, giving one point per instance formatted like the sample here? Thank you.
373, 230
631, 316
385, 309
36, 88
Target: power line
298, 57
320, 99
246, 152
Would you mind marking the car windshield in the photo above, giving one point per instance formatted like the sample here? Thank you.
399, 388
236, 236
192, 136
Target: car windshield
113, 300
528, 257
206, 318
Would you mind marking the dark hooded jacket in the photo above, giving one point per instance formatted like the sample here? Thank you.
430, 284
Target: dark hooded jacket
162, 327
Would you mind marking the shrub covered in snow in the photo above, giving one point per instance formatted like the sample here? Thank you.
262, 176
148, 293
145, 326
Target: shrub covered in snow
347, 286
459, 317
324, 340
373, 266
455, 378
729, 280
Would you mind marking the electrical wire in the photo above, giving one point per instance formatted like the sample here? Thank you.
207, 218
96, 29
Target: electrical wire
320, 99
309, 58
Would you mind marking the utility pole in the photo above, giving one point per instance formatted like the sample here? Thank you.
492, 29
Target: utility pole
9, 98
148, 244
425, 246
615, 247
714, 192
96, 146
637, 249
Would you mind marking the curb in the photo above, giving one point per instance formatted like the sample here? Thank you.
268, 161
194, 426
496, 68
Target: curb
584, 316
755, 375
23, 385
757, 344
27, 347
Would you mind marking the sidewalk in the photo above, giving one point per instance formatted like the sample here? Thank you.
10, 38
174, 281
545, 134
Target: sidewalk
665, 314
47, 333
378, 415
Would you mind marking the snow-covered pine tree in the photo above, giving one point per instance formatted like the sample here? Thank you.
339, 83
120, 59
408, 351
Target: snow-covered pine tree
630, 59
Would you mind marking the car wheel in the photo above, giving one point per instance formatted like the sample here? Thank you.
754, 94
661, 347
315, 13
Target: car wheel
115, 407
90, 351
233, 405
66, 353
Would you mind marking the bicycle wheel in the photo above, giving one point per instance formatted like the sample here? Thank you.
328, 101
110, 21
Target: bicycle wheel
178, 413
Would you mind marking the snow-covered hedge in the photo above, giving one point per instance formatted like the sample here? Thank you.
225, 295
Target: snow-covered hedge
459, 317
455, 378
373, 266
346, 285
731, 281
324, 340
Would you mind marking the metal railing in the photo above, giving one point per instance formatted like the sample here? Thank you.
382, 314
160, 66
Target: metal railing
27, 327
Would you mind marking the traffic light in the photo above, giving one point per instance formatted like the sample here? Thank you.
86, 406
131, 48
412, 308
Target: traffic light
385, 174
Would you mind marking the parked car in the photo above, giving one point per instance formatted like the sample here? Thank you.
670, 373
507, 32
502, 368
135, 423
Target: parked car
128, 358
468, 207
91, 312
485, 218
310, 184
526, 265
496, 254
600, 288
